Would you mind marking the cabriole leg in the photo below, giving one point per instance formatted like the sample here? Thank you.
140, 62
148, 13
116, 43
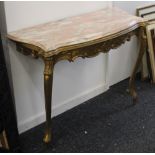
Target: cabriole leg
143, 41
48, 80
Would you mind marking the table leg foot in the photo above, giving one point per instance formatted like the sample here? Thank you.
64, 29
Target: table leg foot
47, 137
134, 95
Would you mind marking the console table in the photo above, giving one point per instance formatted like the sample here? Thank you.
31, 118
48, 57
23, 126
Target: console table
83, 36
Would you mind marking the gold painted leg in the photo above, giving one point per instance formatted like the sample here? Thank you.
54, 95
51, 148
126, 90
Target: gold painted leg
3, 140
143, 42
48, 80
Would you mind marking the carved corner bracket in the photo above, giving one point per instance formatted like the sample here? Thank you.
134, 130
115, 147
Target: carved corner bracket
26, 49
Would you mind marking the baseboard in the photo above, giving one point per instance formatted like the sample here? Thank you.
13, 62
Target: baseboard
62, 107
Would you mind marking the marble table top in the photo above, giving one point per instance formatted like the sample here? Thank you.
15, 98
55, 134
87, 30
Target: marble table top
75, 30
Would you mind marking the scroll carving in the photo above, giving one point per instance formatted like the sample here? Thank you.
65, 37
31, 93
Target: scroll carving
83, 52
94, 50
28, 51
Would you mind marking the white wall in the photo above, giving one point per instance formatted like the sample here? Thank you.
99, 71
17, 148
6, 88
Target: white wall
73, 83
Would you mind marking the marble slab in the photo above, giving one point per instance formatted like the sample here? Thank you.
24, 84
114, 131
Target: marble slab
75, 30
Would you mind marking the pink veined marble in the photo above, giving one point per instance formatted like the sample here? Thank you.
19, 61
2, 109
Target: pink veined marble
78, 29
